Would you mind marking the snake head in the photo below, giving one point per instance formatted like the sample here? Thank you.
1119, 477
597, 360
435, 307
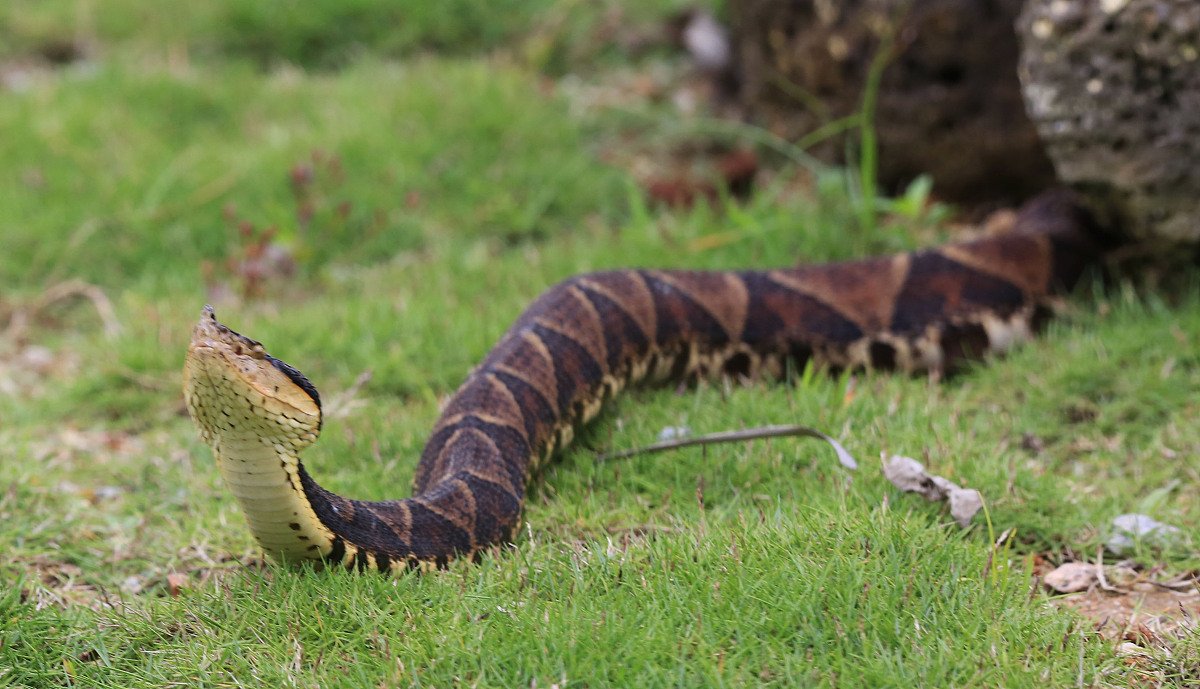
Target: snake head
233, 387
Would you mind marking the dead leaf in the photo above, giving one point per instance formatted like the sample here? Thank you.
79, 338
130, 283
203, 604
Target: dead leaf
910, 476
1072, 577
176, 582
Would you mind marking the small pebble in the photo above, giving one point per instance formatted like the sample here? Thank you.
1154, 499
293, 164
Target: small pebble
673, 433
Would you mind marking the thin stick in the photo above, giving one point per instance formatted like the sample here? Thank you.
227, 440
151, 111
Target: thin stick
341, 405
737, 436
19, 321
1100, 578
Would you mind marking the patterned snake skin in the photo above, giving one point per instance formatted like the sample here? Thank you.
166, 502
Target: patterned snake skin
584, 340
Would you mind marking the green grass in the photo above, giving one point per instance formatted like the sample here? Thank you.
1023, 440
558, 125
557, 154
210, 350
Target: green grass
446, 191
312, 34
330, 34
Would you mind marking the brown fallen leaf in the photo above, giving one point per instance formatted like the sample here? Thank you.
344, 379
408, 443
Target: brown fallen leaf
1072, 577
176, 582
680, 192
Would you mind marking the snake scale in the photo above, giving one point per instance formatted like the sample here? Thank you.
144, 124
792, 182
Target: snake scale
583, 341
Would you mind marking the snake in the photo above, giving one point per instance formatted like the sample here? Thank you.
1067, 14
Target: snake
582, 342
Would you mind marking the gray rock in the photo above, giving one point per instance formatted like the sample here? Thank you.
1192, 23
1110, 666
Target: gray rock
1113, 87
1131, 529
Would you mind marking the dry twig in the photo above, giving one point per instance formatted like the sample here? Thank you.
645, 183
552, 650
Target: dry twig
737, 436
18, 323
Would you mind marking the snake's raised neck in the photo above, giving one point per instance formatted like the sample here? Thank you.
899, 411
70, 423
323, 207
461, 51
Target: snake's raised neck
257, 413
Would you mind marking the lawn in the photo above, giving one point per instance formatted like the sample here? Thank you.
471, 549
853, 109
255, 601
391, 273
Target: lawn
376, 204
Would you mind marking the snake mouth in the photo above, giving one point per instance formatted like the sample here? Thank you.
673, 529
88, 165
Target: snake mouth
210, 342
215, 343
211, 333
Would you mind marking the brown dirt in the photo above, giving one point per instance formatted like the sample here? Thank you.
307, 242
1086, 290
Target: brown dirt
1147, 605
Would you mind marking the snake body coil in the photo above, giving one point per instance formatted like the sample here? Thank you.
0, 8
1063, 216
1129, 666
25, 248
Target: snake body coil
581, 343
